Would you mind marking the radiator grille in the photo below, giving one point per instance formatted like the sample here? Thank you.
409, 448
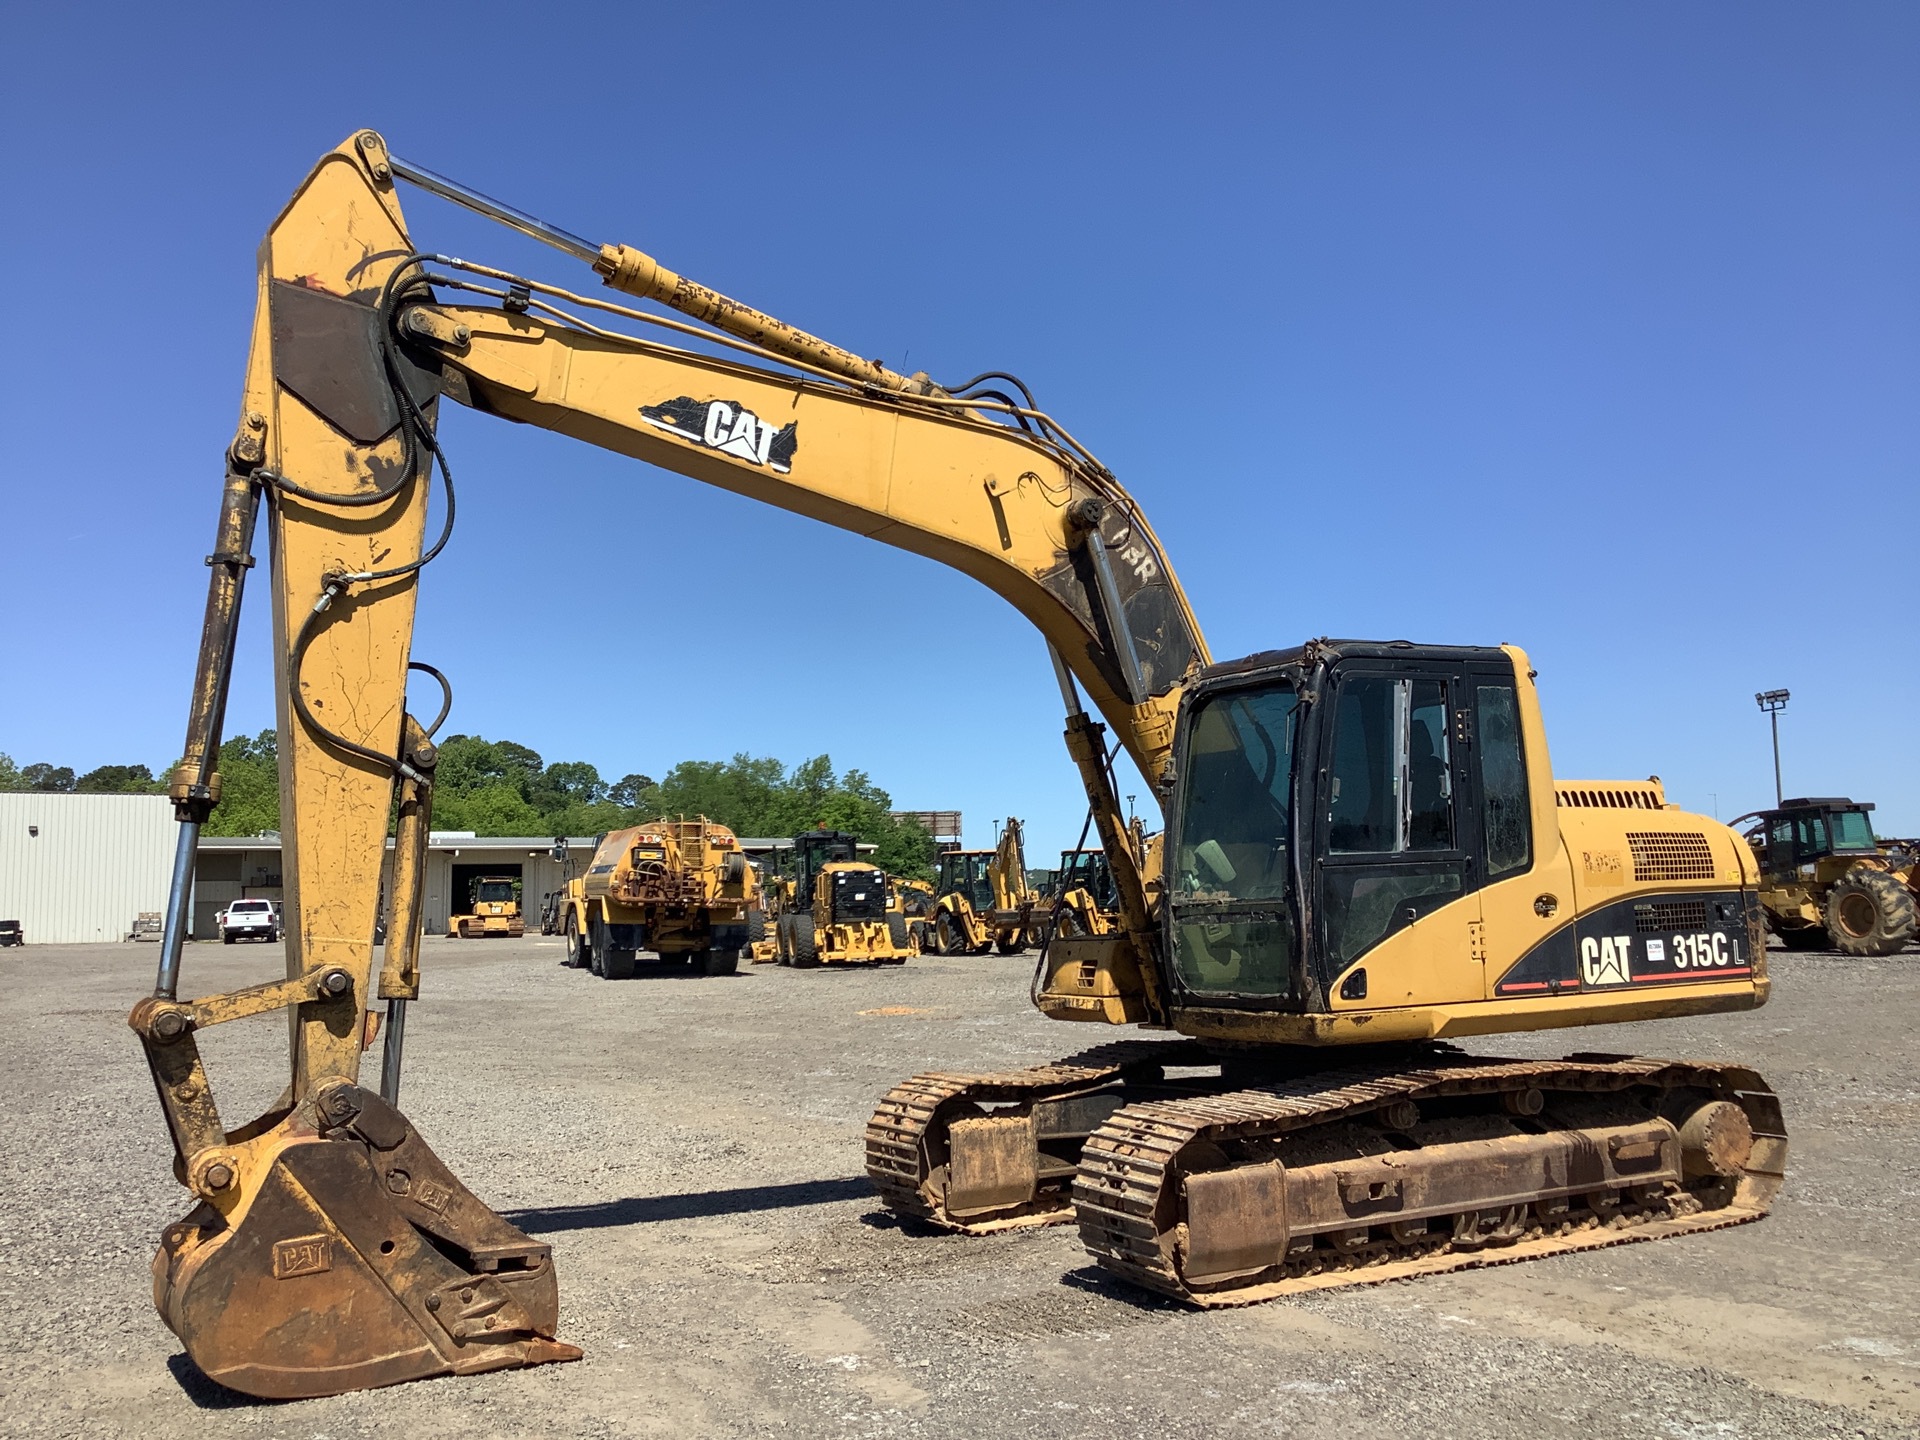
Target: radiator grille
1660, 916
1661, 855
859, 895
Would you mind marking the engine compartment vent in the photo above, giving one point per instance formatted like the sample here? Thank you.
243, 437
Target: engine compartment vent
1660, 916
1670, 855
1610, 794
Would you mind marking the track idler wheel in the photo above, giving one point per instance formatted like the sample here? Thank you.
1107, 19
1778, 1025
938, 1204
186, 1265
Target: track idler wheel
355, 1260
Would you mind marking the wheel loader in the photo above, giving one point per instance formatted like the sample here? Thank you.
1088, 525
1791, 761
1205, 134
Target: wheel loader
493, 910
1826, 882
1367, 859
680, 888
839, 909
982, 900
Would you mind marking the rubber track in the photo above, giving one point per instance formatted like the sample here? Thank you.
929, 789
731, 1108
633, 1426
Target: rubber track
1127, 1165
895, 1153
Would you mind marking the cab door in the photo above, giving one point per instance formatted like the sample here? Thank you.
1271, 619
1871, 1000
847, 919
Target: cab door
1526, 886
1397, 873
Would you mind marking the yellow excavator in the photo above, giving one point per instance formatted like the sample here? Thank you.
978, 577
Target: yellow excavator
1367, 856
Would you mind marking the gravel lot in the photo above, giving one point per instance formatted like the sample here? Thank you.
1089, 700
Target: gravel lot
691, 1148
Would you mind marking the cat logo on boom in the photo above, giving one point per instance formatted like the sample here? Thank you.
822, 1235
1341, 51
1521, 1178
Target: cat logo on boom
728, 427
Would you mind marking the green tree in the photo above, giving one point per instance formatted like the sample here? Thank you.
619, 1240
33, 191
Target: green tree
629, 792
494, 809
47, 778
119, 780
9, 772
249, 786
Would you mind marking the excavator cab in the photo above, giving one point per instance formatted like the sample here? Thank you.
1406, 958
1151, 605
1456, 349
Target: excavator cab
1414, 796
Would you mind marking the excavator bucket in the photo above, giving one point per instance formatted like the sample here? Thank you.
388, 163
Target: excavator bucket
356, 1260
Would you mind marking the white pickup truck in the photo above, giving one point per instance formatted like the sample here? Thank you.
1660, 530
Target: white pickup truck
255, 919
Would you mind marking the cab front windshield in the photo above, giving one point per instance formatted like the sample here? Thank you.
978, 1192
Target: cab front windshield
493, 891
1233, 929
1852, 831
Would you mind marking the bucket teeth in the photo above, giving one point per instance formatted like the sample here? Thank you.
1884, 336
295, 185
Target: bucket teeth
359, 1260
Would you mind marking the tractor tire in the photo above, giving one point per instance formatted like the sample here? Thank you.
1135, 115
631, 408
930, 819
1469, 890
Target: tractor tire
783, 940
948, 935
579, 953
619, 963
806, 949
1869, 913
716, 962
1807, 937
1011, 944
756, 926
897, 932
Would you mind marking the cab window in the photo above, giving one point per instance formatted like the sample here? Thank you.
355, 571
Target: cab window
1391, 786
1505, 818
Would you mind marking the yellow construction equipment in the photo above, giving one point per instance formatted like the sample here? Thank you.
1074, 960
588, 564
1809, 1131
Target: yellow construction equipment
1084, 899
1828, 882
837, 909
982, 899
1367, 855
680, 888
492, 910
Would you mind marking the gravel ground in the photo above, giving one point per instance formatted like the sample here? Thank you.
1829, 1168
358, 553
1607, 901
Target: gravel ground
691, 1148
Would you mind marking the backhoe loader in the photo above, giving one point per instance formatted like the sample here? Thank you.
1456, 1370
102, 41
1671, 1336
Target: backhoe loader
982, 900
1366, 858
1084, 899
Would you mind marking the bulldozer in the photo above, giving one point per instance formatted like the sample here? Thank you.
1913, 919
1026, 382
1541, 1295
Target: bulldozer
837, 908
492, 910
1367, 859
982, 900
1826, 881
680, 888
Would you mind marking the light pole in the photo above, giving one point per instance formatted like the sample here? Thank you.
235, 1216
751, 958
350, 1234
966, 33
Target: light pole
1772, 702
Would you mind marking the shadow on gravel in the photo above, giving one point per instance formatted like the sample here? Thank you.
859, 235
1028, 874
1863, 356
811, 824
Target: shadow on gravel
209, 1394
640, 1209
1095, 1281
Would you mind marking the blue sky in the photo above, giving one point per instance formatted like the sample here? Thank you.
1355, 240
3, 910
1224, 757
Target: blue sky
1586, 327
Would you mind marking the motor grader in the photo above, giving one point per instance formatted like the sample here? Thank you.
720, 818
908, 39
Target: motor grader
1367, 857
1827, 881
838, 909
982, 900
680, 888
493, 910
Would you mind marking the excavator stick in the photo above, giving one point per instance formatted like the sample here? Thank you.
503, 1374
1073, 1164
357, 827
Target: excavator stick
331, 1249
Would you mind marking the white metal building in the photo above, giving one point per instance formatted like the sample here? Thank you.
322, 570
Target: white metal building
230, 867
83, 868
